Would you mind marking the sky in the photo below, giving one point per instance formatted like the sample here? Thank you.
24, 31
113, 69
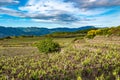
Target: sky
59, 13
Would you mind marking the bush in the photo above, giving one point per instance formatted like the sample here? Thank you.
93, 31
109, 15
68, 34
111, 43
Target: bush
91, 34
48, 46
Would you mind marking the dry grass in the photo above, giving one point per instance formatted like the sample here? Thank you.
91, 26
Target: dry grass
86, 59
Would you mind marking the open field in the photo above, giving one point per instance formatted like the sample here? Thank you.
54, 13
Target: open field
82, 59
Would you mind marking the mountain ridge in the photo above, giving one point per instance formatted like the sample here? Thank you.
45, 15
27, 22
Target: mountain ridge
36, 31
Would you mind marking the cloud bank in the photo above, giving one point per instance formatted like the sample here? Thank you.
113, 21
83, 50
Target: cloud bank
63, 11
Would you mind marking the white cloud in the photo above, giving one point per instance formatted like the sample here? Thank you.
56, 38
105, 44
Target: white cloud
73, 7
11, 12
50, 10
95, 3
8, 2
44, 9
92, 0
42, 21
49, 7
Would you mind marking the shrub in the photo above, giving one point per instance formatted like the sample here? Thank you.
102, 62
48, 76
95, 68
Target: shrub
48, 46
91, 34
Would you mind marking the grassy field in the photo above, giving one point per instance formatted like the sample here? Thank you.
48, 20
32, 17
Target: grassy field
79, 59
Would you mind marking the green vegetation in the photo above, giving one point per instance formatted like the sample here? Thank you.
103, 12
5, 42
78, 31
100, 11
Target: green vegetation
114, 31
48, 46
64, 35
79, 59
91, 34
80, 33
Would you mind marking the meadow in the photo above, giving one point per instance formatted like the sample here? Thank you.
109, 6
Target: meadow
79, 59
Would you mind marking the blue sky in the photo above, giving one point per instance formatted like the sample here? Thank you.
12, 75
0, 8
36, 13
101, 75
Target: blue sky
59, 13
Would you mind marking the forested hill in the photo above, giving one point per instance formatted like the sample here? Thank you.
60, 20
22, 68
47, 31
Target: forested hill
10, 31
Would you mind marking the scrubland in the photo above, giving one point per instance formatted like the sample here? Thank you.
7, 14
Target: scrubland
79, 59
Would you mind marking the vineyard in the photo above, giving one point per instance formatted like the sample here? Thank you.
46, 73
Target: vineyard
79, 59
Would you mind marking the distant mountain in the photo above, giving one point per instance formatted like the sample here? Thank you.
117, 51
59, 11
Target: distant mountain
10, 31
70, 29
